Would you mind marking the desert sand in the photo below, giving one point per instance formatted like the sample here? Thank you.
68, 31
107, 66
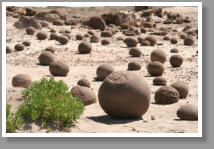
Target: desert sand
158, 119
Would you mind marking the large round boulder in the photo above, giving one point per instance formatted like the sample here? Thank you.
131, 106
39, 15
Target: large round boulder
21, 80
166, 95
85, 94
58, 68
188, 112
124, 95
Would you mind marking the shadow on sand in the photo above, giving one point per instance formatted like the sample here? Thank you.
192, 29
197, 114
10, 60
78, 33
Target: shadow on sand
105, 119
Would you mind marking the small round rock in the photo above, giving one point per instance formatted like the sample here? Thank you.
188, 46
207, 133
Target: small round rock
79, 37
134, 65
188, 112
84, 47
85, 94
41, 35
145, 43
155, 68
135, 52
188, 41
26, 43
19, 47
131, 41
30, 31
21, 80
58, 68
160, 81
105, 42
158, 55
46, 58
166, 95
63, 40
176, 60
173, 41
182, 87
103, 71
84, 82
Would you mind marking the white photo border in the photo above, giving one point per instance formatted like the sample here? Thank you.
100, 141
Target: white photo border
88, 4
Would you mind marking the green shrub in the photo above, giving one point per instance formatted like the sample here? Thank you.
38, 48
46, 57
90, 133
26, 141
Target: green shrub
13, 121
49, 102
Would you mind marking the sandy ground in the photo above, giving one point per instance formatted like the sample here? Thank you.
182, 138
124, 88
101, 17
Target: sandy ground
158, 119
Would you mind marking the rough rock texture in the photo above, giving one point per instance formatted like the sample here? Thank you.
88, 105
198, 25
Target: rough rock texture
166, 95
21, 80
85, 94
124, 95
155, 68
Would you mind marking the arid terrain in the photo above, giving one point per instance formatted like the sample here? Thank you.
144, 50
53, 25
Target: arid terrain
158, 119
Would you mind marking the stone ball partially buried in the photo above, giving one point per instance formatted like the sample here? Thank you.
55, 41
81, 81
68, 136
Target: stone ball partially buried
124, 94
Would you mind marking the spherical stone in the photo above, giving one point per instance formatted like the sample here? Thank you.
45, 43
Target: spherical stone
124, 95
182, 87
66, 35
94, 38
41, 35
166, 38
103, 71
106, 34
188, 112
145, 43
26, 43
46, 58
8, 49
19, 47
158, 55
84, 47
30, 31
84, 82
173, 41
176, 60
174, 50
58, 22
155, 68
188, 41
58, 68
63, 40
131, 41
166, 95
79, 37
97, 23
160, 81
44, 24
105, 42
85, 94
21, 80
151, 39
51, 49
54, 36
135, 52
134, 65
